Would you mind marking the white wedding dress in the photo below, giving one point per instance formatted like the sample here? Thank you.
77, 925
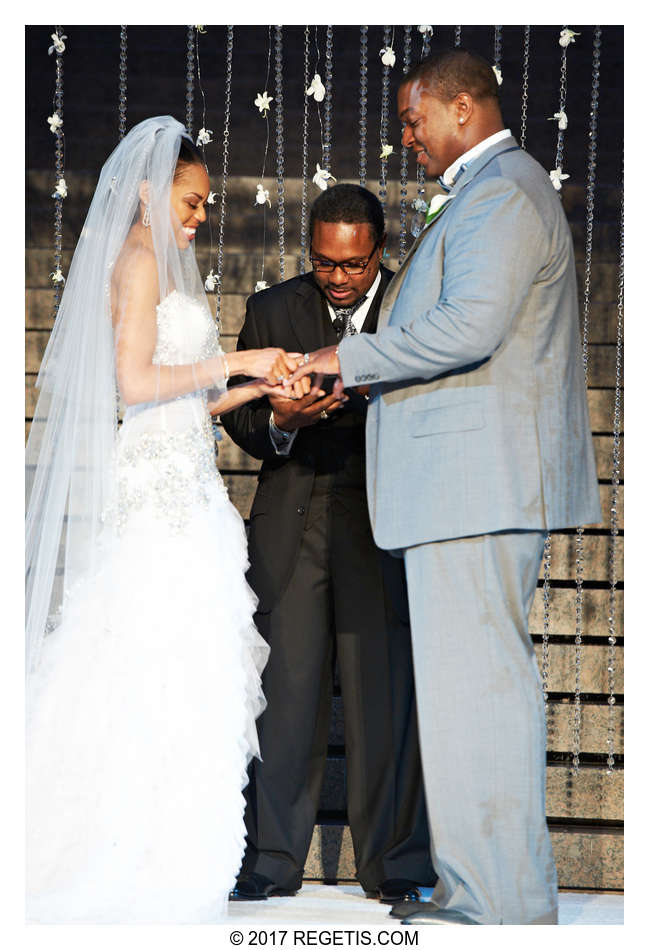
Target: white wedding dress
141, 716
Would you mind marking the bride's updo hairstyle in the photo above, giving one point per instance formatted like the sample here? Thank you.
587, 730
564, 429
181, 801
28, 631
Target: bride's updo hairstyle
189, 154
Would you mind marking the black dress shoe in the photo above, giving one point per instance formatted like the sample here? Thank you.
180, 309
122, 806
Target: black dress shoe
396, 890
256, 887
428, 913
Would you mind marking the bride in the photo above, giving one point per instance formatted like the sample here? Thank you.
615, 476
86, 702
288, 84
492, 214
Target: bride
143, 661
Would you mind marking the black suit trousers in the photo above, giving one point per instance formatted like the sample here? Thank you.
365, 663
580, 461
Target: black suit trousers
345, 600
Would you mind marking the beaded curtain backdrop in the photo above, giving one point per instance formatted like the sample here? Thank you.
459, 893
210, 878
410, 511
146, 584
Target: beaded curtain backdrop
326, 96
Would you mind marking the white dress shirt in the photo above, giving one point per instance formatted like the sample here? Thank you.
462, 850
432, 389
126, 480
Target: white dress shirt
449, 175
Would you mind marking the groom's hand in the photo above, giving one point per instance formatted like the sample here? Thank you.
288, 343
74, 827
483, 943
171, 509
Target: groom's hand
324, 361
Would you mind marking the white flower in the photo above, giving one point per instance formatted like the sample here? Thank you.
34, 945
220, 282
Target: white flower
211, 198
57, 44
321, 177
562, 118
498, 74
261, 285
61, 190
57, 276
436, 205
557, 176
566, 37
386, 150
316, 89
263, 102
55, 121
425, 29
420, 205
201, 28
210, 281
263, 196
204, 136
387, 56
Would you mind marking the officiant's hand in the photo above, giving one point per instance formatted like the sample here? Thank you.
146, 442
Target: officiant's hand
324, 361
290, 414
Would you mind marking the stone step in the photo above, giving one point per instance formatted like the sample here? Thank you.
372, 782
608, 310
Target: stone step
242, 270
600, 401
590, 794
38, 314
244, 219
589, 858
231, 456
601, 358
593, 735
243, 485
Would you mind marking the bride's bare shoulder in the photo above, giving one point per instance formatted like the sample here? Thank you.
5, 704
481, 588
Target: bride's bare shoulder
134, 284
136, 263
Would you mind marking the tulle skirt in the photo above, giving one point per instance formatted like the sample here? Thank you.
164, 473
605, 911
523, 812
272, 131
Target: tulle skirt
141, 724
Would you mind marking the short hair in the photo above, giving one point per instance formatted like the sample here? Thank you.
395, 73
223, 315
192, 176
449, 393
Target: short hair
188, 154
350, 204
449, 72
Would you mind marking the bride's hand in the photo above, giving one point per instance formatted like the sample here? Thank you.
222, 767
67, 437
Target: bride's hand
284, 392
271, 364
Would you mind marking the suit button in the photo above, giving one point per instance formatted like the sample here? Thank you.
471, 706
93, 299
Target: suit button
300, 510
358, 378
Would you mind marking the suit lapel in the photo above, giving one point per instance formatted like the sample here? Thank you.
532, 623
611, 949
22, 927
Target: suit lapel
307, 317
506, 145
371, 318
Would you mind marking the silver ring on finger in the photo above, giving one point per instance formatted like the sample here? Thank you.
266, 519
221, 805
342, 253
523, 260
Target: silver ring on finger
305, 360
324, 414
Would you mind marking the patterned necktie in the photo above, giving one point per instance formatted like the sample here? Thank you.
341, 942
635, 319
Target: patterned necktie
343, 323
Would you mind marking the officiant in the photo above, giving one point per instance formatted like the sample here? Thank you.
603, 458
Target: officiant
326, 592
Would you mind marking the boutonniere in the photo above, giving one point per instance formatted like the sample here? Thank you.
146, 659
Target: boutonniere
436, 206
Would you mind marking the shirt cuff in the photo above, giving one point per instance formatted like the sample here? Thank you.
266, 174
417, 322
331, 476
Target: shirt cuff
281, 439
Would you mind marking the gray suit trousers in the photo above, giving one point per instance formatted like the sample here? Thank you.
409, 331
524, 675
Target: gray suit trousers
482, 725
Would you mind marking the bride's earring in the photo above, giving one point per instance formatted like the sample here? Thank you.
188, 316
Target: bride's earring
146, 218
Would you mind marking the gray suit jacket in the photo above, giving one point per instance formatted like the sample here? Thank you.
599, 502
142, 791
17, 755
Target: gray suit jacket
478, 420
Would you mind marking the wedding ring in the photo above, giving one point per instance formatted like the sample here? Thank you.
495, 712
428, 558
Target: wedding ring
324, 414
307, 357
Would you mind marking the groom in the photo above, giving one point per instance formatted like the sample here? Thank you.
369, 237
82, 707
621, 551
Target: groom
478, 444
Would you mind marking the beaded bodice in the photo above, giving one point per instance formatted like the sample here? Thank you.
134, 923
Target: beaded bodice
186, 331
164, 460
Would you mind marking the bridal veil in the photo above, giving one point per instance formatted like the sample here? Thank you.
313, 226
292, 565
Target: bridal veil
68, 458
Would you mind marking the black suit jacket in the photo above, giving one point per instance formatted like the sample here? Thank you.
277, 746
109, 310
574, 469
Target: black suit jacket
292, 315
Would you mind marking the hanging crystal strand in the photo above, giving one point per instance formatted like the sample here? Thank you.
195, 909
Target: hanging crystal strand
362, 122
563, 86
189, 97
326, 142
59, 168
458, 35
545, 654
305, 156
279, 125
590, 213
122, 82
421, 179
526, 74
404, 156
498, 45
383, 124
615, 486
226, 140
263, 166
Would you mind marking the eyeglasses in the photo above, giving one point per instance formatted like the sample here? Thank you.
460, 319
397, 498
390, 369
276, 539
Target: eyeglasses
352, 268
